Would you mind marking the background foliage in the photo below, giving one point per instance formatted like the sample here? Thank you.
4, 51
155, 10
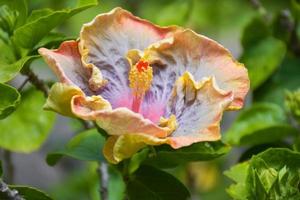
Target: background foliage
260, 148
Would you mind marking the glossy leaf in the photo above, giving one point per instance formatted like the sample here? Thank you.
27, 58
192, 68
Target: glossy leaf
167, 157
28, 127
9, 100
84, 146
149, 183
29, 193
263, 59
32, 32
9, 71
261, 123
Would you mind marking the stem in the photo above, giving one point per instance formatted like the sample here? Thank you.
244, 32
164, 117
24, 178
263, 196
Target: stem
34, 80
9, 166
11, 194
23, 84
103, 174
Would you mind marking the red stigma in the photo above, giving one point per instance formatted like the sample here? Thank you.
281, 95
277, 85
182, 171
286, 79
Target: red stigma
142, 66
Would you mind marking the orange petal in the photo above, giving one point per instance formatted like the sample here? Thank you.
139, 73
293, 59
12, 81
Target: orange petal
202, 57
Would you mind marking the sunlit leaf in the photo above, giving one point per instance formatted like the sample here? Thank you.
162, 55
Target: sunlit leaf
84, 146
28, 127
9, 100
32, 32
9, 71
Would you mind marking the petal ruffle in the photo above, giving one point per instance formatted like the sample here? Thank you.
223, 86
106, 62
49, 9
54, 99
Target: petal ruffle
202, 57
118, 121
105, 42
66, 64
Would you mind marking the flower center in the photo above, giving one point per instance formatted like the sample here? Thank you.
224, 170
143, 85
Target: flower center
140, 79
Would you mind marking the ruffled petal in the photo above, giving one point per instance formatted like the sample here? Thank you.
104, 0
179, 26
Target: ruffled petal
105, 42
202, 57
118, 121
66, 64
198, 107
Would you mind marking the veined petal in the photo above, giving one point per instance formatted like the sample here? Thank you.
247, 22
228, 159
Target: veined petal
118, 121
198, 108
66, 64
106, 41
202, 57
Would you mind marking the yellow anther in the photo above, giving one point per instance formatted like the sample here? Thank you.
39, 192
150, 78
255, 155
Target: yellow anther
140, 79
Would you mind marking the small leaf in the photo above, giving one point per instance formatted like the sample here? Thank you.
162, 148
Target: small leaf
84, 146
150, 183
167, 157
20, 6
29, 193
28, 127
261, 123
238, 172
9, 71
9, 100
263, 59
31, 33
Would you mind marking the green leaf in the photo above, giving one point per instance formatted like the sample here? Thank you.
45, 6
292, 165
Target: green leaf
9, 100
167, 157
84, 146
20, 6
149, 183
29, 193
9, 71
272, 174
286, 77
31, 33
52, 40
261, 123
263, 59
256, 31
137, 159
28, 127
238, 172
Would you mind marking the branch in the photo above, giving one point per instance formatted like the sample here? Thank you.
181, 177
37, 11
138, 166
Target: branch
38, 83
103, 174
11, 194
9, 166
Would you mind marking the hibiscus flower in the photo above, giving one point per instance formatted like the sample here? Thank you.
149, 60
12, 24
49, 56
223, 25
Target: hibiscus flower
145, 84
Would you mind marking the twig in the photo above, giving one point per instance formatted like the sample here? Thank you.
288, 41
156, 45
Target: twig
9, 166
11, 194
103, 174
34, 80
23, 84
